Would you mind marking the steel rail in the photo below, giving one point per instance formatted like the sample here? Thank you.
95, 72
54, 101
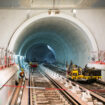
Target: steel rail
65, 93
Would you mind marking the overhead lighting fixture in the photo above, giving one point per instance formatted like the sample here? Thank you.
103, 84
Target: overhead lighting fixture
49, 11
74, 11
52, 12
57, 11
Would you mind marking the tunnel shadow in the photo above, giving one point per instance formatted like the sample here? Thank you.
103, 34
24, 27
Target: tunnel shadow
41, 53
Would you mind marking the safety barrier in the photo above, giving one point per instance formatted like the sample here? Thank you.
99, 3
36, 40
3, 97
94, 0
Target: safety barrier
6, 58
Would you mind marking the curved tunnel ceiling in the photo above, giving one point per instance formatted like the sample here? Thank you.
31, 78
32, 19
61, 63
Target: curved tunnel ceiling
67, 39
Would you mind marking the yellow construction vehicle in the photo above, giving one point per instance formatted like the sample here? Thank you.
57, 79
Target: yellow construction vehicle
76, 73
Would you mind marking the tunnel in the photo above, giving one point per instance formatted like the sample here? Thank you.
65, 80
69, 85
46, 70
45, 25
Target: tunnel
40, 53
70, 40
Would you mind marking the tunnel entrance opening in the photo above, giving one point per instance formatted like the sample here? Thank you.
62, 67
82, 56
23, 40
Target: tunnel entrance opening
69, 38
41, 53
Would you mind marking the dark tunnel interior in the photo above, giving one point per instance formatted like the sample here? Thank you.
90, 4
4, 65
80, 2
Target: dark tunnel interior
41, 53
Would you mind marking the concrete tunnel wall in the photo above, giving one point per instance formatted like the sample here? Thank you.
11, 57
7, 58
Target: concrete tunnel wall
68, 39
85, 16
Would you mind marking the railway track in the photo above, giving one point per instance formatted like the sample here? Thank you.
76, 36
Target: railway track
43, 93
97, 87
56, 69
46, 90
97, 90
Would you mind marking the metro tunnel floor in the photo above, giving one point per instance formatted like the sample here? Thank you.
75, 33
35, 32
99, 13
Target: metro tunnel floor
42, 88
40, 92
